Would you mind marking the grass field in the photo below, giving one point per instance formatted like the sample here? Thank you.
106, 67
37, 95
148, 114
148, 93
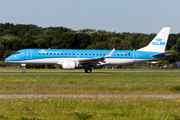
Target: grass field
90, 84
129, 108
91, 108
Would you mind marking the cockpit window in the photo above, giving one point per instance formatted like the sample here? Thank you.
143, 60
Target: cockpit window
18, 53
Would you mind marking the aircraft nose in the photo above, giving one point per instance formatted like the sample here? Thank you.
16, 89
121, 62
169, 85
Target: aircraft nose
7, 59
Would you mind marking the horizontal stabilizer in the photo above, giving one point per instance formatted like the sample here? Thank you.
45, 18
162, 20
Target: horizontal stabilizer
165, 53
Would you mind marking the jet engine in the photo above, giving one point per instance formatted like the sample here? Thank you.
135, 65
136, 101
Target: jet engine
68, 65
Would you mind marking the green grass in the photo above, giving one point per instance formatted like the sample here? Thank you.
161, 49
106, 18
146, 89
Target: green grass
90, 84
129, 108
90, 108
93, 70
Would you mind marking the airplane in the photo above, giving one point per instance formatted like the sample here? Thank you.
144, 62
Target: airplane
74, 58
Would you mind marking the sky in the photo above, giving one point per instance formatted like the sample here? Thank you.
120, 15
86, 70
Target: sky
134, 16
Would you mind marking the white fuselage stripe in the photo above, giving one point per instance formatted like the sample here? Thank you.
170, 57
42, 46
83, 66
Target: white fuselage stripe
107, 61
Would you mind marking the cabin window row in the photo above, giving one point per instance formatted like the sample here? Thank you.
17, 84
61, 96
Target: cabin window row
82, 54
68, 54
123, 54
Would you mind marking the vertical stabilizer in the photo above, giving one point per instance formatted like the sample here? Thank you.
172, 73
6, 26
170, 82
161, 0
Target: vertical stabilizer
158, 44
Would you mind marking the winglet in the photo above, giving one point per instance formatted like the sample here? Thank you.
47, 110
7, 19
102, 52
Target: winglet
109, 55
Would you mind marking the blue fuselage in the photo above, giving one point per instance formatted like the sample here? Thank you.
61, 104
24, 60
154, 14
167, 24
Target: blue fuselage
53, 56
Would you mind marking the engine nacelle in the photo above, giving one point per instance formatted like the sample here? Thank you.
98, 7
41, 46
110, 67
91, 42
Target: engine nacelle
68, 65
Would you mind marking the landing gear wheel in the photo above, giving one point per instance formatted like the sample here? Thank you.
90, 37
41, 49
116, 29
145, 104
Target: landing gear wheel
23, 70
88, 70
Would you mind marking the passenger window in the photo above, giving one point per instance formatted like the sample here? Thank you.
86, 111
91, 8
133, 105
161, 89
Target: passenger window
125, 54
97, 54
46, 53
100, 54
65, 53
89, 54
118, 54
73, 53
81, 54
121, 54
61, 53
104, 54
69, 53
93, 54
50, 53
54, 53
78, 54
43, 53
18, 53
39, 53
85, 54
114, 54
58, 53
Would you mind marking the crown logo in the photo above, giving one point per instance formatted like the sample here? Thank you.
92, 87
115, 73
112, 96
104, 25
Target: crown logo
159, 39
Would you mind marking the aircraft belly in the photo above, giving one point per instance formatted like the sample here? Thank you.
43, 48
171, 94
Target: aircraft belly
107, 61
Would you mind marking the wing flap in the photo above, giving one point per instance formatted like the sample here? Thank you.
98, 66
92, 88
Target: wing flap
91, 59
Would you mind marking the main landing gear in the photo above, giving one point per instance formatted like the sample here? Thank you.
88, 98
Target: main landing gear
24, 68
88, 70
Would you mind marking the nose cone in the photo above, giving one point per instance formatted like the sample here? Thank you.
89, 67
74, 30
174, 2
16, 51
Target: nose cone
8, 59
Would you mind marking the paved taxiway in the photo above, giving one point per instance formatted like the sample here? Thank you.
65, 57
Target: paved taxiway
88, 95
90, 73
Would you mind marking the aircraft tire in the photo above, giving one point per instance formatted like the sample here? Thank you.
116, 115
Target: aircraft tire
23, 70
88, 70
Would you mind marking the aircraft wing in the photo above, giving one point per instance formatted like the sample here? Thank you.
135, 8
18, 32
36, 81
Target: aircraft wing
91, 61
96, 59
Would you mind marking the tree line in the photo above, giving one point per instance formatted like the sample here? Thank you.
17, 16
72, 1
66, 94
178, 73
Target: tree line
21, 36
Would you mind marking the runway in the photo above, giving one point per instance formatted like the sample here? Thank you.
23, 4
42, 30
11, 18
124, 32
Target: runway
89, 95
6, 73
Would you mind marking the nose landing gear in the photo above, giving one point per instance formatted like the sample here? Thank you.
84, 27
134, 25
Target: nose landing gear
24, 66
24, 70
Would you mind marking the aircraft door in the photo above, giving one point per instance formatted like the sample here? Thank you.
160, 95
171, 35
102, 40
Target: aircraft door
135, 55
29, 54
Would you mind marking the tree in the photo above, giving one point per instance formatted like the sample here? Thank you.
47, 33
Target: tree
40, 43
177, 46
125, 45
145, 41
115, 42
28, 41
99, 45
161, 63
